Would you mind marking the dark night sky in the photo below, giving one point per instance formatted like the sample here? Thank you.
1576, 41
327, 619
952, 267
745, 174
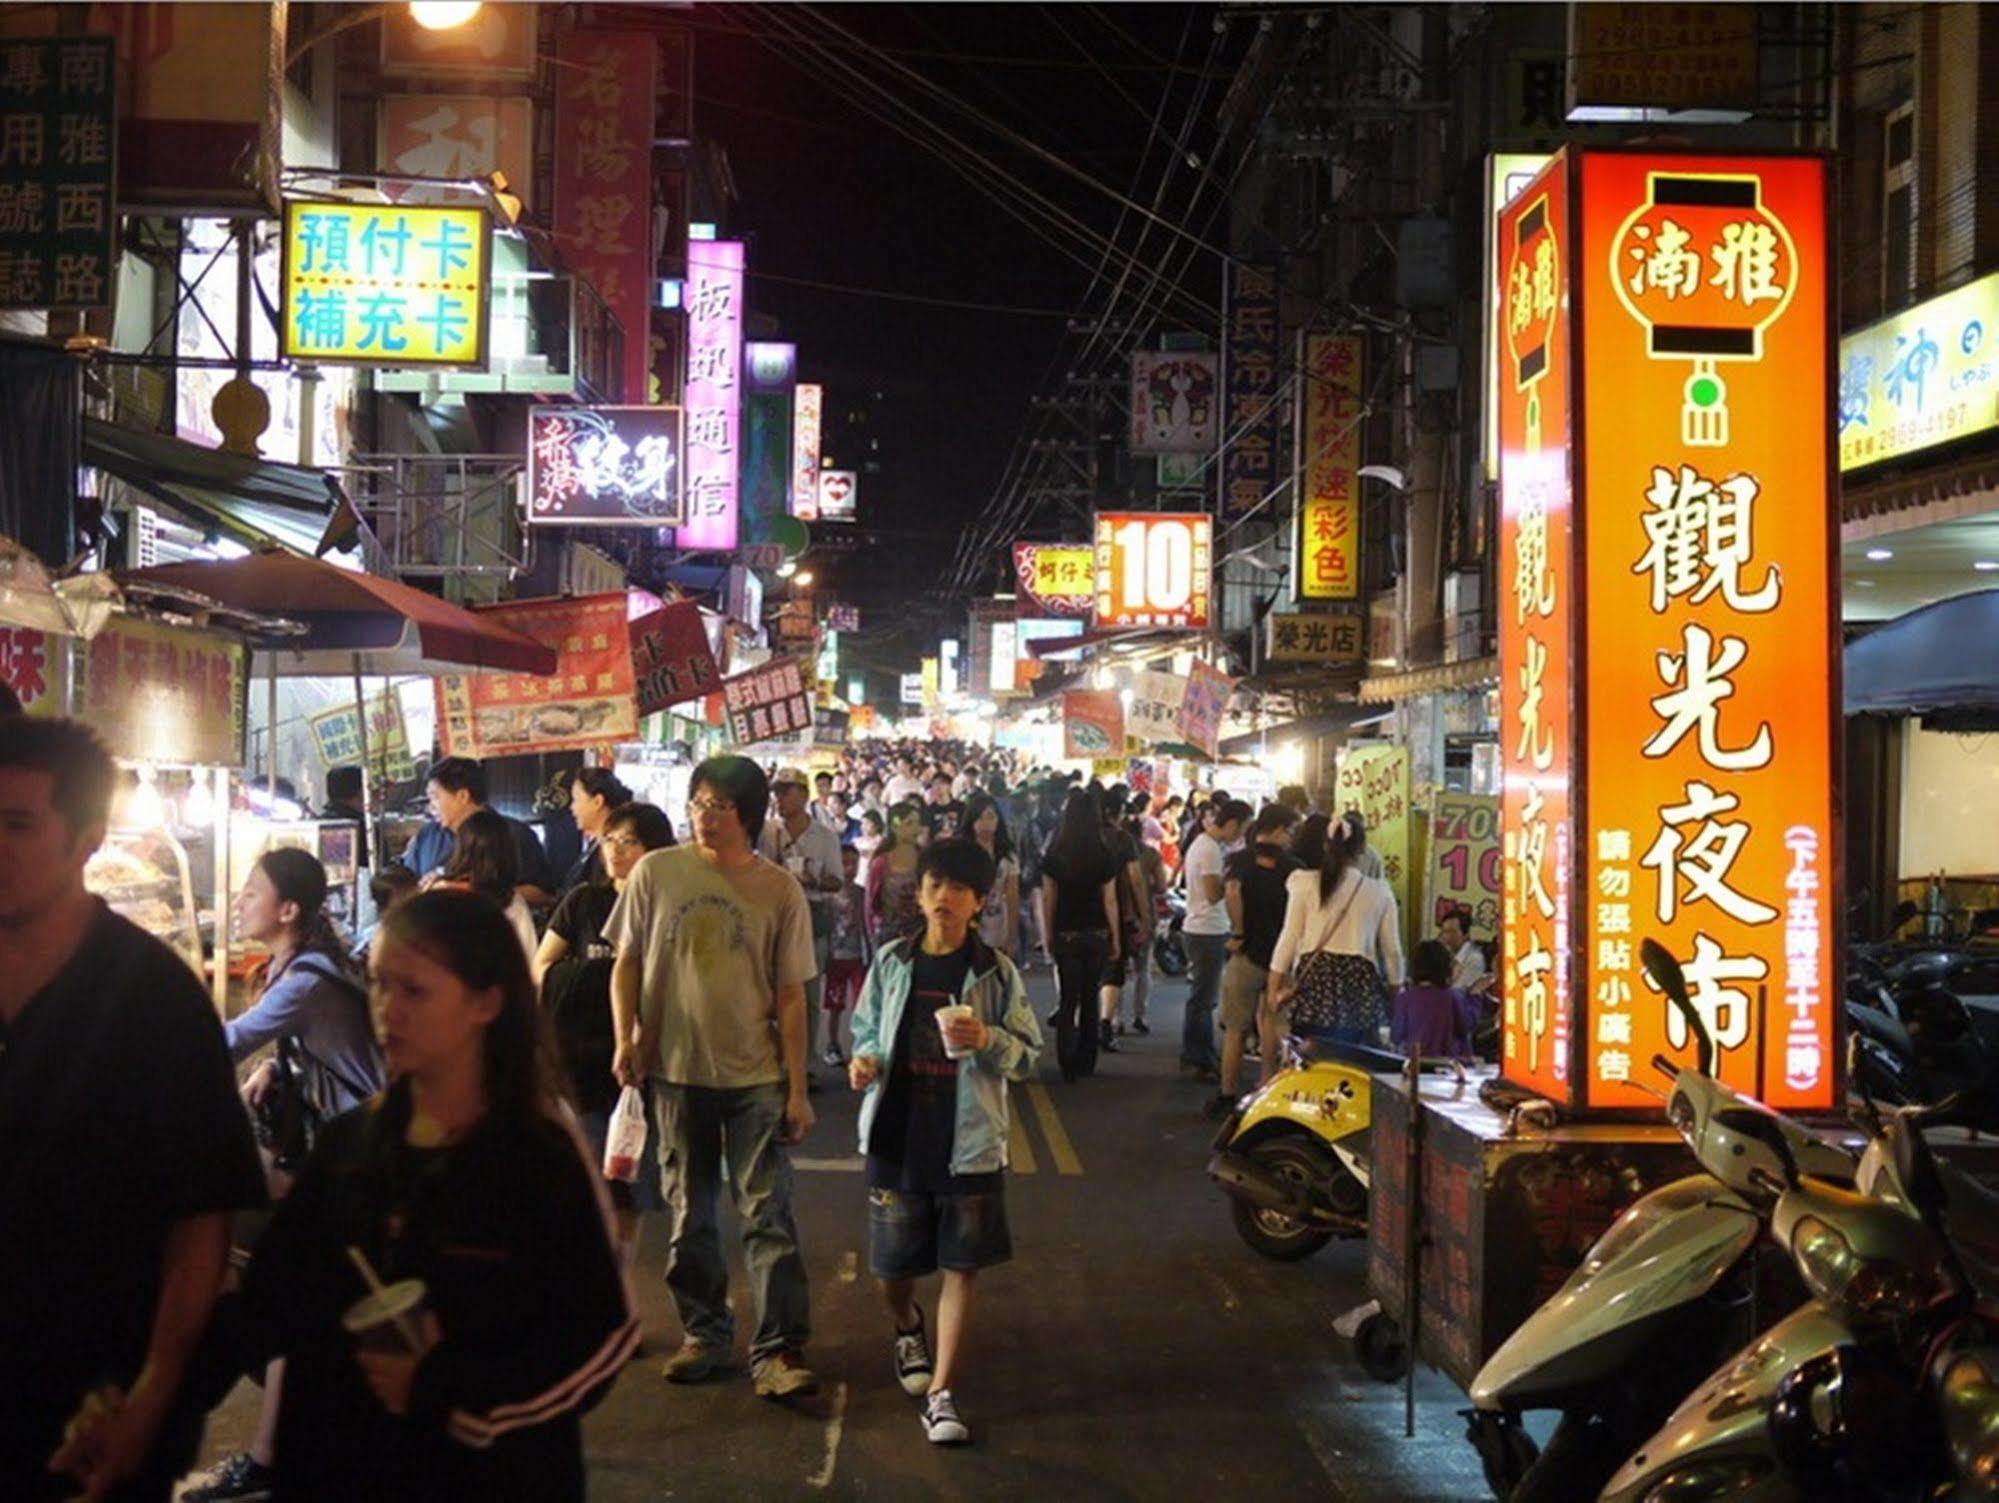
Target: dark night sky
834, 196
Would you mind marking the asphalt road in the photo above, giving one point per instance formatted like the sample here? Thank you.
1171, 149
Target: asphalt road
1134, 1348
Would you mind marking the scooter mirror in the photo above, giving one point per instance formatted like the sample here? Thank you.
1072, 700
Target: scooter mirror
1669, 978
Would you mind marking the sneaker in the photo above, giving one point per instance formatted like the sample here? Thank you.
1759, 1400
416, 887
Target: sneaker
941, 1425
1139, 1025
913, 1366
833, 1056
236, 1480
694, 1363
1107, 1041
783, 1375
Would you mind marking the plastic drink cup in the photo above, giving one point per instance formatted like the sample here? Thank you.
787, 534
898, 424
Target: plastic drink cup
388, 1320
955, 1013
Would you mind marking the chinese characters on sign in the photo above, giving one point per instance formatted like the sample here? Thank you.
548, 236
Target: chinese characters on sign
1645, 62
588, 701
35, 666
1154, 714
1465, 869
1173, 402
807, 404
1326, 547
1092, 724
604, 466
1056, 579
672, 661
1922, 377
1373, 781
843, 618
458, 136
1202, 706
769, 701
1295, 637
336, 735
1249, 425
164, 695
1710, 723
58, 220
713, 394
1535, 636
1153, 569
603, 179
373, 284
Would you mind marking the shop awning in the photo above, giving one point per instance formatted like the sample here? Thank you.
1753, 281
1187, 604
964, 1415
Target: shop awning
1333, 722
1932, 662
1471, 673
256, 502
389, 626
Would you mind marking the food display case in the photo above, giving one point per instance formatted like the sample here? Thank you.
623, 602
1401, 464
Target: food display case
145, 876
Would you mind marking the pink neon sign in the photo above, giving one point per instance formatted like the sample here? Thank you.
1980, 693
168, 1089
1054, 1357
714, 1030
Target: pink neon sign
713, 395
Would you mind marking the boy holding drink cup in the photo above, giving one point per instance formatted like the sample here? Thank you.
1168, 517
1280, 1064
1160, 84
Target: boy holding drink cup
942, 1026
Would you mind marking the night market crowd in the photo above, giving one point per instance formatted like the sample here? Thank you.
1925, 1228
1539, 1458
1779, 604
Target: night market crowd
414, 1219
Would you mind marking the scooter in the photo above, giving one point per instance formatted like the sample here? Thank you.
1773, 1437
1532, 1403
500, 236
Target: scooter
1292, 1155
1169, 953
1674, 1285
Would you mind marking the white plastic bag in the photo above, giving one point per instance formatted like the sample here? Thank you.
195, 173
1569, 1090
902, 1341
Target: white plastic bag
625, 1143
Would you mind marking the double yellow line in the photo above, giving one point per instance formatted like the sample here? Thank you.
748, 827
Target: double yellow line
1020, 1148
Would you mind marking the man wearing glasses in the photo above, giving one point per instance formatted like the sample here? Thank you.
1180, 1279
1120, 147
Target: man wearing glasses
714, 947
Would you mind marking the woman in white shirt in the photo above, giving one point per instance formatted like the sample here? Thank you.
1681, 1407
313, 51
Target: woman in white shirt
1349, 917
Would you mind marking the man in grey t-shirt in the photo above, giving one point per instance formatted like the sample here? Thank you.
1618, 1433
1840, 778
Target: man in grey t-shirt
714, 951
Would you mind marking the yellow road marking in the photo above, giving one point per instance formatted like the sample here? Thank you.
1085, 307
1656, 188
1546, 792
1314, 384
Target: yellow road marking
1019, 1147
1060, 1149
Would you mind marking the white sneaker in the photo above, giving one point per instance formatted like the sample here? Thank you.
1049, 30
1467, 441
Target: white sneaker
941, 1424
913, 1366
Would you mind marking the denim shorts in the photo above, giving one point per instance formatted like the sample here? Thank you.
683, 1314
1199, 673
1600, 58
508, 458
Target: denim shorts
911, 1234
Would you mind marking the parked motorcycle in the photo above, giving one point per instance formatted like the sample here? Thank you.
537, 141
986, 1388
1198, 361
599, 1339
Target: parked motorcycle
1675, 1284
1169, 952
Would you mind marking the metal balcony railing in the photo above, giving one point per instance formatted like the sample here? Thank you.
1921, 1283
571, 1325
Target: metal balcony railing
452, 517
551, 336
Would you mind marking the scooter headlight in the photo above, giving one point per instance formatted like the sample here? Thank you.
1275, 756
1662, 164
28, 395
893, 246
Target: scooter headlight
1867, 1291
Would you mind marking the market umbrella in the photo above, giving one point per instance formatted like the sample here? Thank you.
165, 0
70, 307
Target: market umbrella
354, 622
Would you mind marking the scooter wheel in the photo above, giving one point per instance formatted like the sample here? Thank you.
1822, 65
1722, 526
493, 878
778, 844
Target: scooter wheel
1506, 1452
1272, 1233
1383, 1354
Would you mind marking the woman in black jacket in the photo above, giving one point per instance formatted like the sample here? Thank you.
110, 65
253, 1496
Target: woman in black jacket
467, 1174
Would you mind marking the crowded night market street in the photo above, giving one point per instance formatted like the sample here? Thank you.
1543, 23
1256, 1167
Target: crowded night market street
755, 749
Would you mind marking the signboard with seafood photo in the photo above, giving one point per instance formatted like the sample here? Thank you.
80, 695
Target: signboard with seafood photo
590, 700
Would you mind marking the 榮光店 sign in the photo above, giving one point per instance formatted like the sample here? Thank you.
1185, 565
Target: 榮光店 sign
381, 284
1173, 402
672, 659
604, 466
590, 699
1309, 637
1704, 661
163, 695
771, 700
1056, 579
58, 138
1925, 376
1326, 545
1153, 569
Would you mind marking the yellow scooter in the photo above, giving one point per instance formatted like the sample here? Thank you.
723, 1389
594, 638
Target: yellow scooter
1292, 1156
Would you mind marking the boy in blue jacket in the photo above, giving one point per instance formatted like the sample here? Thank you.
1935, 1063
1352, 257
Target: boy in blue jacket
942, 1025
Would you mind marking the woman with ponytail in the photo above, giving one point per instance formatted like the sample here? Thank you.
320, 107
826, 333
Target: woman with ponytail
1343, 935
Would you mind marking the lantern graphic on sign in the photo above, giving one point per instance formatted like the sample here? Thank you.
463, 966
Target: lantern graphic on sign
1533, 297
1706, 268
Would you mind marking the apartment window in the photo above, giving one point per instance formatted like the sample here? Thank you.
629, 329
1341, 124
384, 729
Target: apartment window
1898, 206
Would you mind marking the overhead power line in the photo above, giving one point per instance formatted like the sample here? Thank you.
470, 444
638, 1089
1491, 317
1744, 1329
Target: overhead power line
968, 305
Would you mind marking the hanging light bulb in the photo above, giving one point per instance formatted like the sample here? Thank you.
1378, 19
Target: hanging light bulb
442, 15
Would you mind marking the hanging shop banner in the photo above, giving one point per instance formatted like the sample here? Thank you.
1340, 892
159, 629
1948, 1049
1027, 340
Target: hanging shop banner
603, 179
1154, 716
162, 694
385, 285
1373, 781
1202, 705
796, 625
911, 688
495, 42
35, 665
1249, 422
1923, 377
933, 674
1056, 579
1174, 402
1092, 724
336, 736
843, 617
604, 466
712, 394
1711, 721
58, 179
1325, 547
1632, 61
838, 495
807, 407
672, 658
1313, 637
1464, 863
772, 700
1003, 658
457, 136
1536, 638
588, 701
1153, 569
